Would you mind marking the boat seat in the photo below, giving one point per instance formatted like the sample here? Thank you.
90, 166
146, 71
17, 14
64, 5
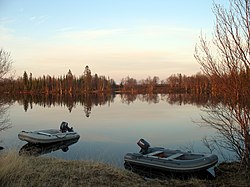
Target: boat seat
154, 153
44, 133
174, 156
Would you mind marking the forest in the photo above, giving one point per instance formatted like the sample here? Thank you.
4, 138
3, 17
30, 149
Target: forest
88, 83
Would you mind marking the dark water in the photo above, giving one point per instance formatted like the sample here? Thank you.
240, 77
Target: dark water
109, 126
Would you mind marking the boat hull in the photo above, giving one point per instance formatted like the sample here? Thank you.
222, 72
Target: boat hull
177, 161
47, 136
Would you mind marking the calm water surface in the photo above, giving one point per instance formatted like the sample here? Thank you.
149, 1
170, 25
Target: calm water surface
112, 129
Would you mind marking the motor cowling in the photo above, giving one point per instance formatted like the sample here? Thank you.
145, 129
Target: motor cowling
144, 145
64, 127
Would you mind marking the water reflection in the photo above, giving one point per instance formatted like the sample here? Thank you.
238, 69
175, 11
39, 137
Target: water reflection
88, 101
70, 101
4, 118
40, 149
4, 121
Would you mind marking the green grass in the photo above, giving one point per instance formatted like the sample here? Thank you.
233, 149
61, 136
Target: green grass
21, 171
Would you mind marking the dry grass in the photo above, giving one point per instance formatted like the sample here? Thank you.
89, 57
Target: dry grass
232, 174
18, 170
21, 171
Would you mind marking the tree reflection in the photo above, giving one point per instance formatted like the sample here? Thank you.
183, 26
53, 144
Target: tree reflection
95, 99
4, 118
128, 98
68, 100
183, 99
150, 98
88, 104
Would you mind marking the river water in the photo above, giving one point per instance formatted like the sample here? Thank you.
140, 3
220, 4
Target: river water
109, 128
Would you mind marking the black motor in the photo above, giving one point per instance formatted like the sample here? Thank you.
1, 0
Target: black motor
64, 127
144, 145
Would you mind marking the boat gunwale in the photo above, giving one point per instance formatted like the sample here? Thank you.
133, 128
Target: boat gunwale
172, 168
45, 139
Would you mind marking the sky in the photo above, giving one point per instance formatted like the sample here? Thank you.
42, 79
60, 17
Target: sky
115, 38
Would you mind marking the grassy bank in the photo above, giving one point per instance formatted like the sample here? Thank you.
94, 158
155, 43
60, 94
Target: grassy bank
17, 170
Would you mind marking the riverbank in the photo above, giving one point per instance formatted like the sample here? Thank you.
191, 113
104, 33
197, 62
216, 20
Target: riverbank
18, 170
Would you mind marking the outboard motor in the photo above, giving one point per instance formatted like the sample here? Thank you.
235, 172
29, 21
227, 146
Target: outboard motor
144, 145
64, 127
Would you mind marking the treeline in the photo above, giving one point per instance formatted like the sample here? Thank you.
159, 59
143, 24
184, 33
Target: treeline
69, 84
66, 84
196, 84
88, 83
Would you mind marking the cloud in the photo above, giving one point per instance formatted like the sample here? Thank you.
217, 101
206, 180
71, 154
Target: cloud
163, 31
149, 37
88, 34
38, 19
6, 34
65, 29
149, 31
32, 18
6, 20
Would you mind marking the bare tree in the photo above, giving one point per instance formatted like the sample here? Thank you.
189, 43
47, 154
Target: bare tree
5, 63
226, 60
5, 67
